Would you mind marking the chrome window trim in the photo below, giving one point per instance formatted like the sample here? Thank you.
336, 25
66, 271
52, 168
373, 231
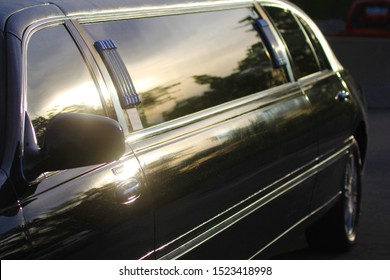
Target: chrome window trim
29, 32
277, 188
145, 12
92, 67
103, 72
209, 112
264, 15
84, 53
333, 61
308, 40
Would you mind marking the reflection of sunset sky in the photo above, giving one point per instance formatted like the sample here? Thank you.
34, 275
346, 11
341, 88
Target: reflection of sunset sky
160, 52
57, 76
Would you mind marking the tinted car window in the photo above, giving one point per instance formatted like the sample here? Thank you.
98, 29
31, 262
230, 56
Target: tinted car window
58, 81
319, 51
303, 59
186, 63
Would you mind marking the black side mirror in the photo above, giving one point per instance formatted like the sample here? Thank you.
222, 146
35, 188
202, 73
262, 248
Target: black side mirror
76, 140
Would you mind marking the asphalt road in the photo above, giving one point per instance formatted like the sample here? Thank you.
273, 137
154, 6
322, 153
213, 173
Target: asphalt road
374, 230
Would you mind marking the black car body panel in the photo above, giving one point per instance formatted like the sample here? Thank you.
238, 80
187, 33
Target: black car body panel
226, 145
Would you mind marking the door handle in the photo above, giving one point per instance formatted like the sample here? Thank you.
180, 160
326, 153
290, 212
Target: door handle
342, 96
128, 191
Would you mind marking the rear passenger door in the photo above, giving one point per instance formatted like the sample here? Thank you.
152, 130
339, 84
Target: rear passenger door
328, 94
225, 136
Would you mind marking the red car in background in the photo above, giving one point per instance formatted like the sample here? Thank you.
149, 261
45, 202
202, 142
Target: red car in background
369, 18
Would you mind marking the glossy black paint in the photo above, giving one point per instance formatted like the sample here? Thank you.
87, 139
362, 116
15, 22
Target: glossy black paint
253, 169
13, 234
81, 218
237, 153
335, 120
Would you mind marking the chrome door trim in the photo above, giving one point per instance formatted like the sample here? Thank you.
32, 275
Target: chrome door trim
23, 75
315, 77
103, 73
82, 46
90, 63
275, 190
329, 202
264, 15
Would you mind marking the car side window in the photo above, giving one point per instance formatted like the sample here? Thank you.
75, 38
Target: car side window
304, 61
319, 51
183, 64
58, 80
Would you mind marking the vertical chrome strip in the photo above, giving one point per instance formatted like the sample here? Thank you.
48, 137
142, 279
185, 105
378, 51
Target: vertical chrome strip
90, 62
334, 63
25, 40
281, 45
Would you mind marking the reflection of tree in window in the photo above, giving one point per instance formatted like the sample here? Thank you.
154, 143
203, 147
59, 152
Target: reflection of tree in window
253, 74
303, 60
155, 97
41, 122
183, 64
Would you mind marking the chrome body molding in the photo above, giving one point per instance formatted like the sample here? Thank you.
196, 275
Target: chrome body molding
262, 198
313, 78
303, 220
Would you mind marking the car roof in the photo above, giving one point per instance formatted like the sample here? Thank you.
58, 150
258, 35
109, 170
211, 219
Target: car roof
8, 8
17, 15
39, 9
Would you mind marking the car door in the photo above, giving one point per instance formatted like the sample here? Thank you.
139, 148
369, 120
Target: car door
93, 212
226, 144
333, 109
14, 242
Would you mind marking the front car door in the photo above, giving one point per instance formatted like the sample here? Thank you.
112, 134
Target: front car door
82, 212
